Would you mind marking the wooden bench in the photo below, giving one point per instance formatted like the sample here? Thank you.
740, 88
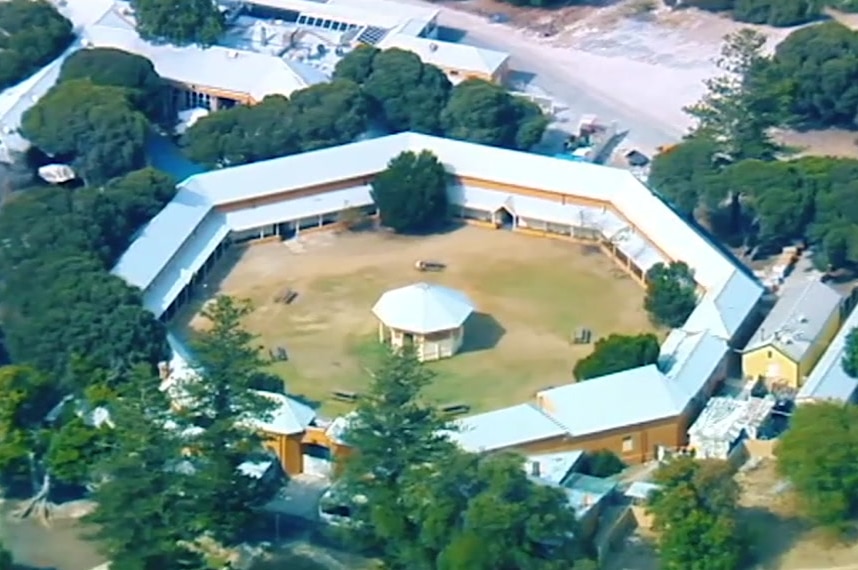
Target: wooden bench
345, 396
454, 409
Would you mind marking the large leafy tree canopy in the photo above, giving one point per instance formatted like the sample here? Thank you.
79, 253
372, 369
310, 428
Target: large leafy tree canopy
186, 22
407, 94
694, 512
323, 115
391, 90
96, 128
28, 396
429, 505
815, 70
671, 293
616, 353
767, 203
486, 113
774, 13
818, 455
117, 68
60, 245
411, 194
32, 33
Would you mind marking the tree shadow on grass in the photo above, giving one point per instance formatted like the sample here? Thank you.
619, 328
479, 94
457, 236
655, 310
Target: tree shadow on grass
770, 536
482, 332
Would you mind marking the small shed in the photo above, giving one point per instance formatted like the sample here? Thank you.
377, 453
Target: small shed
429, 317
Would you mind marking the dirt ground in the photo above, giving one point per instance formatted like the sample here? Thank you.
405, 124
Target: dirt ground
829, 142
530, 295
782, 540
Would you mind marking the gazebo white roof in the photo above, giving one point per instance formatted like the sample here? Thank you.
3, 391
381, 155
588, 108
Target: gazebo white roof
423, 308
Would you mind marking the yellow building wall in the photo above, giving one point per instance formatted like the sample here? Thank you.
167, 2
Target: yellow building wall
772, 365
832, 325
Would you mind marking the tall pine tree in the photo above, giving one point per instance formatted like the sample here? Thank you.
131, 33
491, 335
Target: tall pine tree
394, 436
222, 402
142, 499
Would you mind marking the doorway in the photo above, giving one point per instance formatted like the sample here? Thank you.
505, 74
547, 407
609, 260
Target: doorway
505, 218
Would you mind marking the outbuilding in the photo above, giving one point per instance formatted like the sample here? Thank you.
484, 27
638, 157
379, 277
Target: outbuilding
431, 318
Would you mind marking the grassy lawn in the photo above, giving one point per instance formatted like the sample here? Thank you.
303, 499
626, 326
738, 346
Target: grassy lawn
530, 295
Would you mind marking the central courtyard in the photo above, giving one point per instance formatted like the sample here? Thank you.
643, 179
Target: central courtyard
530, 295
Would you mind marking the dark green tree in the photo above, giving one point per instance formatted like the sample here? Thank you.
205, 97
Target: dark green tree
784, 13
818, 454
222, 402
57, 288
694, 513
243, 134
602, 463
732, 114
6, 560
395, 437
32, 33
357, 65
671, 293
95, 127
405, 93
616, 353
411, 194
28, 397
328, 114
485, 113
816, 68
777, 195
850, 356
144, 496
75, 446
116, 68
483, 512
191, 22
687, 175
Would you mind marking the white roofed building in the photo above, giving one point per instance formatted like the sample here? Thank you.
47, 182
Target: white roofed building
431, 318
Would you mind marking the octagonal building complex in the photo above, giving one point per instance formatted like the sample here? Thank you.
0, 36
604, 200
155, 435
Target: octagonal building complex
431, 318
634, 413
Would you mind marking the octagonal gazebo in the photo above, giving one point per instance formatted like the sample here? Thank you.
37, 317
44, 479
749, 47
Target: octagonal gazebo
431, 318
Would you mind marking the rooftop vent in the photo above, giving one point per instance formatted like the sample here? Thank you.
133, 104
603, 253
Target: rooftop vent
232, 54
802, 319
433, 47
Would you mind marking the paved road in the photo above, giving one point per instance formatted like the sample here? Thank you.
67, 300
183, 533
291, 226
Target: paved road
646, 133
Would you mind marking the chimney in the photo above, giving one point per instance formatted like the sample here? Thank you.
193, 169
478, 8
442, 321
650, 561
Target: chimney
534, 469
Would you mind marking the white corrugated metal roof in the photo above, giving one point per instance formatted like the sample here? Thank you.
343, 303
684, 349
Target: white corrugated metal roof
798, 318
829, 381
336, 201
162, 238
630, 397
636, 396
505, 428
251, 73
423, 308
447, 55
289, 416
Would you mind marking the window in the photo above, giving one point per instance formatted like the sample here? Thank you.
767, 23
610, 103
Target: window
628, 444
770, 354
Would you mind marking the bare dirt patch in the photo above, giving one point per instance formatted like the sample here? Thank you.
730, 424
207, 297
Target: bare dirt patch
781, 539
829, 142
530, 294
